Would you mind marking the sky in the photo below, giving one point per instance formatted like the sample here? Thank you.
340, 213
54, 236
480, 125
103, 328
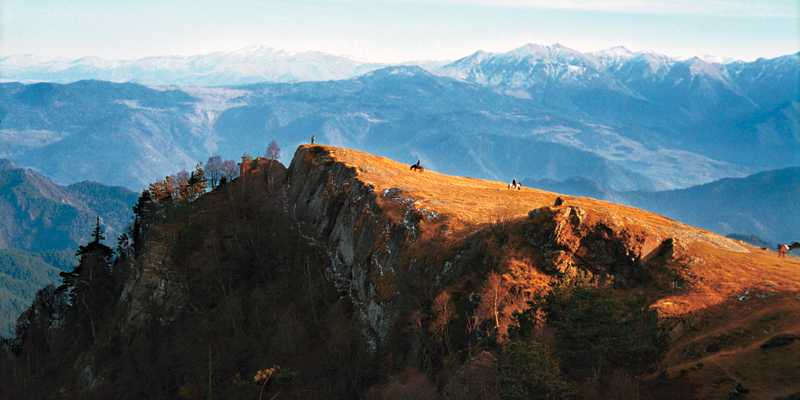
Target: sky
394, 31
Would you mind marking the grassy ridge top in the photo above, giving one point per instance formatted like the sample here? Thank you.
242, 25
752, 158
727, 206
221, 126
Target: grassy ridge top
723, 267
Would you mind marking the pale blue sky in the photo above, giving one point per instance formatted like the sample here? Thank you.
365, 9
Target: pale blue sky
387, 31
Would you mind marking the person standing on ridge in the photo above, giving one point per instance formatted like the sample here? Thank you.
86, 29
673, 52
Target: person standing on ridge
313, 139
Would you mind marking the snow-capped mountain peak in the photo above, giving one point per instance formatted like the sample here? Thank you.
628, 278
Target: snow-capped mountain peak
617, 51
712, 59
616, 57
246, 65
612, 55
544, 52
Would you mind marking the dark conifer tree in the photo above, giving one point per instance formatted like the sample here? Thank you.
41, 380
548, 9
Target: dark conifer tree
90, 285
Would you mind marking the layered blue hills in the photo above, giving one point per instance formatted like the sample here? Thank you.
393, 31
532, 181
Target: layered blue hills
626, 120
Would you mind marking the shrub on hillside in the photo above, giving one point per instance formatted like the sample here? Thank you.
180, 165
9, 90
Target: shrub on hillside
598, 328
528, 369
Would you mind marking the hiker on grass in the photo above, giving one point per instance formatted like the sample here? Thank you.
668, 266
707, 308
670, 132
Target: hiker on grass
783, 249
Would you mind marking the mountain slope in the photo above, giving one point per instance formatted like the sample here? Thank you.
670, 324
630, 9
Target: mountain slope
41, 225
36, 214
100, 127
21, 275
766, 204
348, 275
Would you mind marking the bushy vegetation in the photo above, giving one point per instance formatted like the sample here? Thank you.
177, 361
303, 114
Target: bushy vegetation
601, 339
599, 328
528, 370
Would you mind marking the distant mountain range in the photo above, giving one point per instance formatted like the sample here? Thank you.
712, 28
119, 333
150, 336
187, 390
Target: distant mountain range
626, 120
705, 107
247, 65
765, 205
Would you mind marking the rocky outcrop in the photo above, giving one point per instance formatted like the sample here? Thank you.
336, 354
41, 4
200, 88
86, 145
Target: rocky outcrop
371, 238
342, 215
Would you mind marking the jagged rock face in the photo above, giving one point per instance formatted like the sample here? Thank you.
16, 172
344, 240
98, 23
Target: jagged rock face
367, 247
149, 279
336, 214
371, 238
572, 239
364, 246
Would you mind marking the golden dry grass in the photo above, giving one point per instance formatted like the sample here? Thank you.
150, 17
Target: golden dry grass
723, 267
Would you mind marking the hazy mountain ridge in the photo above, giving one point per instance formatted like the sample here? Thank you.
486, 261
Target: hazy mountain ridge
764, 204
627, 120
403, 112
115, 133
37, 214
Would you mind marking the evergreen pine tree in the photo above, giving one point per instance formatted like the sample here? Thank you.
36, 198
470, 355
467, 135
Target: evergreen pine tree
90, 285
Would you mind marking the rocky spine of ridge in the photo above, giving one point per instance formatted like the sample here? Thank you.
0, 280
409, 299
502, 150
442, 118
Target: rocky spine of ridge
371, 239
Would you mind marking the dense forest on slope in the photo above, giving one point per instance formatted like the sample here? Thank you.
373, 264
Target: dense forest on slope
21, 275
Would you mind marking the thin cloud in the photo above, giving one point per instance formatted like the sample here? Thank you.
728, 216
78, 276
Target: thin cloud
727, 8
